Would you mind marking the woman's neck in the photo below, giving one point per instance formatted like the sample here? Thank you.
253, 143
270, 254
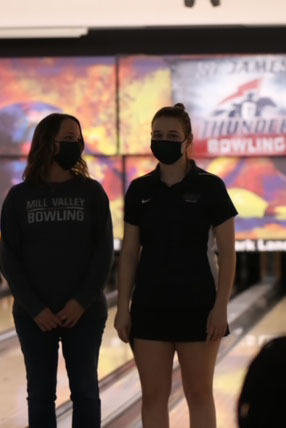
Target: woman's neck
58, 174
172, 174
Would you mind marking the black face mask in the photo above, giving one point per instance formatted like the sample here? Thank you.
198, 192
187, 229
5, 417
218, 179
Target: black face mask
167, 151
69, 153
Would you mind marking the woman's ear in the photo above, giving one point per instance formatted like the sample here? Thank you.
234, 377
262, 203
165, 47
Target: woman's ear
188, 140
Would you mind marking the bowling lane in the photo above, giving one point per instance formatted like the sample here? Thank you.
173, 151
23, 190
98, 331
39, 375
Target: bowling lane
230, 371
6, 319
228, 375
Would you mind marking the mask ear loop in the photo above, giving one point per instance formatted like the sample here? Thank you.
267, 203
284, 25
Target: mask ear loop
189, 145
55, 148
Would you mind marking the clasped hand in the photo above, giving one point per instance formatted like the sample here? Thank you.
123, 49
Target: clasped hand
67, 317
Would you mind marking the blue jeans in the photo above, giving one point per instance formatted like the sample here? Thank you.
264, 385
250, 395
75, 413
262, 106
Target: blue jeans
80, 346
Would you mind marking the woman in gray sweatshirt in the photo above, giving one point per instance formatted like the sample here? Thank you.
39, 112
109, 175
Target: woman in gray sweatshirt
57, 248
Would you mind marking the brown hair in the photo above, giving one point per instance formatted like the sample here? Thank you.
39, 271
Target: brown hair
177, 111
42, 149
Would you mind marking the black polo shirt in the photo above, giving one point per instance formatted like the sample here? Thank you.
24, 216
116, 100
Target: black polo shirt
178, 261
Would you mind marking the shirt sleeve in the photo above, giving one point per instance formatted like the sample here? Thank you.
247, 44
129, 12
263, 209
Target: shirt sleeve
131, 206
11, 262
221, 205
101, 260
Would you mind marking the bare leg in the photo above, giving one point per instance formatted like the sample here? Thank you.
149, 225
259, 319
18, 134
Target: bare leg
197, 361
154, 361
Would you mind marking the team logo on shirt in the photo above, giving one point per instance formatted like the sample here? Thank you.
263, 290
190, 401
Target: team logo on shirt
191, 197
55, 209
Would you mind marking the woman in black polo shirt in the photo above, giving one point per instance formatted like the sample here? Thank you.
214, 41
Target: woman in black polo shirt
173, 216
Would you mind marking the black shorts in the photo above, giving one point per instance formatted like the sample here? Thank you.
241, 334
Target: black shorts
169, 324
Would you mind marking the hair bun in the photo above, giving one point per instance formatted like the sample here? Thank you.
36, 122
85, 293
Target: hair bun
180, 106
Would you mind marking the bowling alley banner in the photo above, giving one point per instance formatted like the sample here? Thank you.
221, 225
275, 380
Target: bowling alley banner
32, 88
108, 170
257, 187
237, 103
260, 245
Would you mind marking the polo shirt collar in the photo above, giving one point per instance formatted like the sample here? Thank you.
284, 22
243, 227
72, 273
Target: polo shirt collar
192, 172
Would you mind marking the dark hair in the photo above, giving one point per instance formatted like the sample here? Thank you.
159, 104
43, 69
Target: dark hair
42, 149
177, 111
262, 398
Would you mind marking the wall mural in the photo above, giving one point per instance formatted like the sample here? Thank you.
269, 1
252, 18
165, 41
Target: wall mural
237, 104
